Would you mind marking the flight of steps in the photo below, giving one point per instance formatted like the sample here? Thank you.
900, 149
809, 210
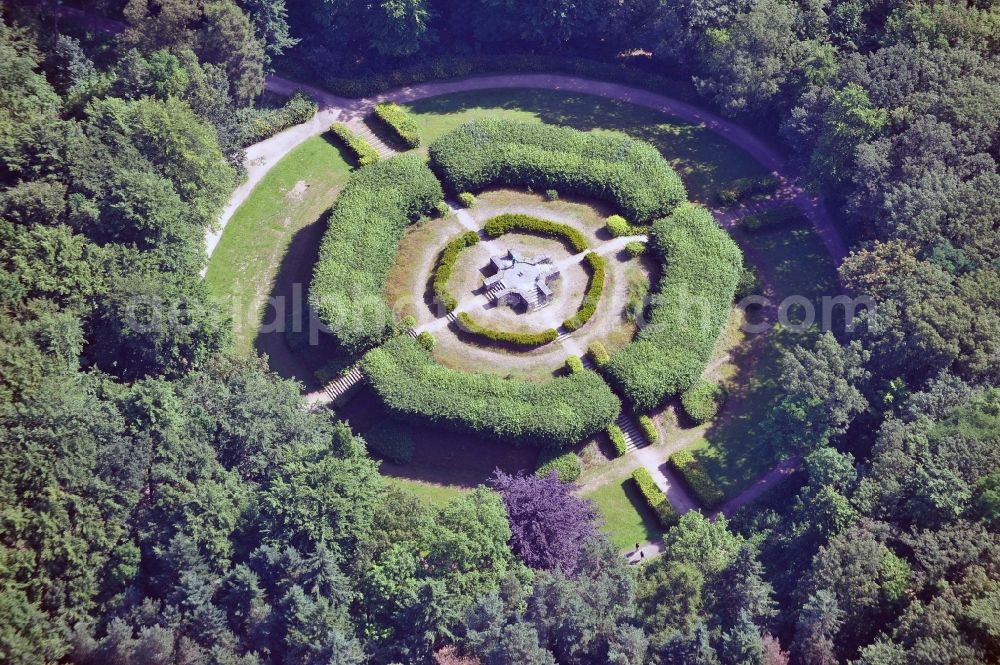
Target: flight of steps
534, 300
634, 439
339, 387
494, 291
563, 334
365, 132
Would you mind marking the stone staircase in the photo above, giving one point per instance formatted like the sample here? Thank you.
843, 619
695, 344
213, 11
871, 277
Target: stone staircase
534, 300
365, 132
634, 439
339, 386
563, 334
494, 291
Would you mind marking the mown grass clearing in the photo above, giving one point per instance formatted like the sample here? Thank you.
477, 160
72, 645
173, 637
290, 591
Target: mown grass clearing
627, 520
430, 493
294, 194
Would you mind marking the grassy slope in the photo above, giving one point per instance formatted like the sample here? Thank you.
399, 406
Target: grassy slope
244, 265
627, 519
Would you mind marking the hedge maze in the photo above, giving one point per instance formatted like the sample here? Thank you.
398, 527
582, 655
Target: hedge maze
701, 270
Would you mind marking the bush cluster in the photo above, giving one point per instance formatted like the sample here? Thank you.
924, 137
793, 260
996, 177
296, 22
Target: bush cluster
446, 263
399, 123
744, 189
520, 340
574, 365
598, 354
619, 227
467, 200
635, 248
595, 288
551, 195
617, 437
427, 340
701, 268
441, 209
697, 480
749, 284
392, 441
257, 124
447, 67
649, 429
557, 413
655, 498
495, 152
770, 219
360, 149
516, 222
565, 463
363, 232
702, 401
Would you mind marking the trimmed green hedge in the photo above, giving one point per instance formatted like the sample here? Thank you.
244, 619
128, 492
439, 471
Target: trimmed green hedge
619, 227
635, 248
693, 474
617, 437
516, 222
256, 124
557, 413
427, 340
655, 498
363, 232
525, 340
770, 219
467, 200
702, 266
396, 119
566, 464
598, 354
612, 167
574, 364
362, 151
446, 263
595, 288
702, 401
743, 189
391, 440
649, 429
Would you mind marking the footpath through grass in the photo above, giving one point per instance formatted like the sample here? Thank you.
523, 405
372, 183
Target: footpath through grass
291, 196
705, 160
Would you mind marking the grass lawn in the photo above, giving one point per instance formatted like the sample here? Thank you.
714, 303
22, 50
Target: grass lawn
292, 195
735, 450
627, 519
429, 493
705, 161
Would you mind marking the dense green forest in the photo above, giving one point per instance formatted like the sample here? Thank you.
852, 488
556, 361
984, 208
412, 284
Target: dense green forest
163, 500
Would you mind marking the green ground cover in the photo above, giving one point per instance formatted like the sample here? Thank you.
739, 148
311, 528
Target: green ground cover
292, 195
628, 520
430, 493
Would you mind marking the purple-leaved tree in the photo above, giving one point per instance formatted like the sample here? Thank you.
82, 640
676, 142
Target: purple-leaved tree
549, 524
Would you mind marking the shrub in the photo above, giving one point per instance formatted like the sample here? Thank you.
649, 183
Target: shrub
619, 227
357, 251
557, 413
551, 195
701, 267
441, 209
595, 288
257, 124
566, 464
399, 123
467, 200
446, 263
749, 283
391, 440
427, 340
617, 437
614, 167
574, 364
635, 248
655, 498
525, 340
598, 354
697, 480
360, 149
649, 429
702, 401
513, 222
770, 219
742, 189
